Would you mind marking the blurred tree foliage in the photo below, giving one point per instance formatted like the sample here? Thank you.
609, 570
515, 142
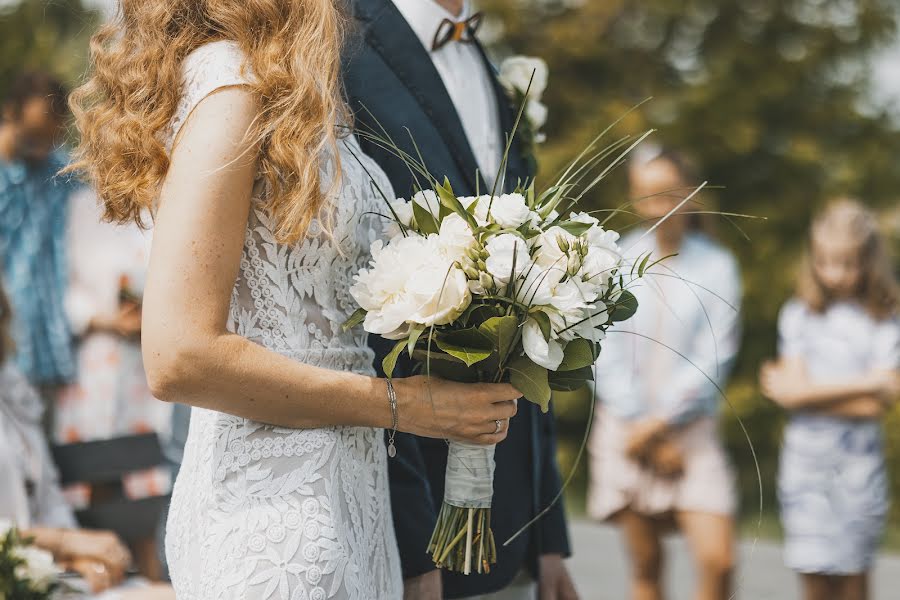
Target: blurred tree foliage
772, 99
50, 35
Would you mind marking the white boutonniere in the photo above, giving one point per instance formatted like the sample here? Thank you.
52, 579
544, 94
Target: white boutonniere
525, 78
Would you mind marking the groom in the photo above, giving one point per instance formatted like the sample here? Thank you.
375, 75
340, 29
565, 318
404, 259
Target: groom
415, 68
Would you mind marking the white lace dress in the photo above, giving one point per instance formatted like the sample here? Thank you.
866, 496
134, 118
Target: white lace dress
268, 512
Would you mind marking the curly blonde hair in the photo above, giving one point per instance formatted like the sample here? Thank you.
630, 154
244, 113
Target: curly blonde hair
879, 292
292, 48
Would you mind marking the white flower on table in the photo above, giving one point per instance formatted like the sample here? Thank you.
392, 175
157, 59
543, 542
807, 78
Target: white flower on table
38, 567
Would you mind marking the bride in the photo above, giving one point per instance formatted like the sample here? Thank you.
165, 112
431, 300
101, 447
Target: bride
221, 118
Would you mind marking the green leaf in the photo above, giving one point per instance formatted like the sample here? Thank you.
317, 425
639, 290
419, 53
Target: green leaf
569, 381
643, 265
530, 379
624, 308
543, 322
477, 314
424, 219
469, 345
502, 332
358, 316
470, 337
424, 355
530, 196
414, 334
390, 361
470, 356
451, 202
575, 228
579, 353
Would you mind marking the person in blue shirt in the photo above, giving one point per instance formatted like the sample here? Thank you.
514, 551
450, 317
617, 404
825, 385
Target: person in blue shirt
33, 215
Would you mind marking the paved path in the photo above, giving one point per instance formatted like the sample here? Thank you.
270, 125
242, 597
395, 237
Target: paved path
600, 569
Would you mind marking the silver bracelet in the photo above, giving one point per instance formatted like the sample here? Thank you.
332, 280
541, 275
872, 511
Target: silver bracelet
392, 398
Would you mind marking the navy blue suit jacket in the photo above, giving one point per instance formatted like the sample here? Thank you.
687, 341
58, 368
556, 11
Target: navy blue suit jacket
391, 83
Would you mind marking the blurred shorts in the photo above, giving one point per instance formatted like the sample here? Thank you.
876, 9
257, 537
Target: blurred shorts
617, 482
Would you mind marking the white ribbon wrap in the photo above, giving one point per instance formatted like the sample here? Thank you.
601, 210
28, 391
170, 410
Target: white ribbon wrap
470, 476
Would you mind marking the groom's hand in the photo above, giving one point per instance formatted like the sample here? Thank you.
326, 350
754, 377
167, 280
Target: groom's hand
423, 587
555, 583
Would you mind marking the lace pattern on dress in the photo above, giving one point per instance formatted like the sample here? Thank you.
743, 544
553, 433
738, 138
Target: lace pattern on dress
268, 512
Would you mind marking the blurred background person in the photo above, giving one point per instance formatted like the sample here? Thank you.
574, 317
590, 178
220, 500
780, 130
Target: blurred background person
655, 451
33, 213
838, 373
109, 396
29, 495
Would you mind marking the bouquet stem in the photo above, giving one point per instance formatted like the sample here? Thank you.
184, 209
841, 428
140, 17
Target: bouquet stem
461, 535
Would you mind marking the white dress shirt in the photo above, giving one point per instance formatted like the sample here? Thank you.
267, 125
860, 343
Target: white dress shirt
467, 79
690, 303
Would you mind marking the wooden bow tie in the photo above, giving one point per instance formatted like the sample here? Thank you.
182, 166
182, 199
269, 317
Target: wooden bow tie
456, 31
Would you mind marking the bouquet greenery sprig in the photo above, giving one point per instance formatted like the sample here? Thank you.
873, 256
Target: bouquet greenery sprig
26, 572
512, 287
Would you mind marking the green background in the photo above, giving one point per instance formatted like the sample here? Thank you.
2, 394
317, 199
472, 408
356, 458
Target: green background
772, 97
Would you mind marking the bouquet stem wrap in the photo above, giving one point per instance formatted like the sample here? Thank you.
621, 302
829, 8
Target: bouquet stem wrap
462, 535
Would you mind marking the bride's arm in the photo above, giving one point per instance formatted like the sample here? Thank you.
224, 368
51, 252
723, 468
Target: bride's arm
189, 355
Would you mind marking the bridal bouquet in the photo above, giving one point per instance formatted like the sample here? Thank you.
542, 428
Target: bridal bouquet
26, 572
514, 288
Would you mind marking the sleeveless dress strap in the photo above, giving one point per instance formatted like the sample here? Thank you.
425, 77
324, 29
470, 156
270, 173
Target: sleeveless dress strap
207, 69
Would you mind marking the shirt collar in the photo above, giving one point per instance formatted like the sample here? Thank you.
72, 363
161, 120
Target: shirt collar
424, 17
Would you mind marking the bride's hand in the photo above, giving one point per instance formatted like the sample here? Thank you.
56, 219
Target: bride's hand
464, 412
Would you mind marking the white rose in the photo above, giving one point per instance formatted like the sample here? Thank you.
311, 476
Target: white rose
507, 210
516, 72
548, 354
536, 112
596, 269
550, 254
404, 212
455, 237
504, 250
39, 567
480, 210
510, 211
411, 280
536, 289
428, 200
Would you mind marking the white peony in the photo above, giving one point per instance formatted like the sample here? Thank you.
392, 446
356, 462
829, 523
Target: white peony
536, 112
504, 250
404, 212
411, 280
516, 72
39, 567
548, 354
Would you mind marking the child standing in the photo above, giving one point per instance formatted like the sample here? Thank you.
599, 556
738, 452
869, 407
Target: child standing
837, 374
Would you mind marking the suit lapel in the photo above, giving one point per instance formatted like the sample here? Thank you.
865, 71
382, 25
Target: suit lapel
391, 36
